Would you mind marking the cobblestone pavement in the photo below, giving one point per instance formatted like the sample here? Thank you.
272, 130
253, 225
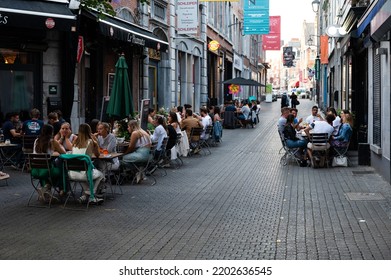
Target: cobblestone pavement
237, 203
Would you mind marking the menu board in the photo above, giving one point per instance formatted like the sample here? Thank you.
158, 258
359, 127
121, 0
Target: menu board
144, 113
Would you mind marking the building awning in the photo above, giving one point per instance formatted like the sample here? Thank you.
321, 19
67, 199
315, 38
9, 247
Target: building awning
36, 15
122, 30
369, 14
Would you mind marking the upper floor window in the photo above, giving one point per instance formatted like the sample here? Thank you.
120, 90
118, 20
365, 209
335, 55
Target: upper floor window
159, 10
125, 14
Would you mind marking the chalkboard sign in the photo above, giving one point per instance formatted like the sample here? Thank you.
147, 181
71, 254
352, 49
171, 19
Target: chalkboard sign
144, 113
103, 116
110, 82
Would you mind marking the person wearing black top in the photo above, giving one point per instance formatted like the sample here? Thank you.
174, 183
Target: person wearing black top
293, 100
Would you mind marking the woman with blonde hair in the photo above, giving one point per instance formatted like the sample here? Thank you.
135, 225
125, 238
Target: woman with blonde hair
85, 144
344, 133
139, 144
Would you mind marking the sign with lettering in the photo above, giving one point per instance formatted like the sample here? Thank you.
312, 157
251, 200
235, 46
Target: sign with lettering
135, 40
3, 19
80, 48
52, 89
187, 11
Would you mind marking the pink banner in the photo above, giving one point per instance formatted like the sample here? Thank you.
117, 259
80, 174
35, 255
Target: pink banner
272, 41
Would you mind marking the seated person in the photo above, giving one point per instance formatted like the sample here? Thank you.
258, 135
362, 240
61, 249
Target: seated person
139, 144
291, 140
46, 144
34, 125
343, 137
151, 119
296, 121
159, 134
179, 113
230, 107
336, 122
108, 142
282, 120
205, 119
54, 121
86, 145
65, 136
188, 123
245, 110
320, 127
94, 126
12, 131
315, 116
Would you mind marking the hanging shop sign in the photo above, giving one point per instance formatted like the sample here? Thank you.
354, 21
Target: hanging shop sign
213, 45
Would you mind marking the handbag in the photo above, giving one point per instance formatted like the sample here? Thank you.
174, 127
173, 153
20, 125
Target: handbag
297, 102
340, 161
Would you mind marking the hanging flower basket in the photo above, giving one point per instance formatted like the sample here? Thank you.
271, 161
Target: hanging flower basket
234, 89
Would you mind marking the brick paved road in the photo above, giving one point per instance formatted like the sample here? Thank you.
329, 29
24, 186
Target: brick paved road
238, 203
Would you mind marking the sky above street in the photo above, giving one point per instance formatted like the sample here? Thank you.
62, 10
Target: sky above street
293, 13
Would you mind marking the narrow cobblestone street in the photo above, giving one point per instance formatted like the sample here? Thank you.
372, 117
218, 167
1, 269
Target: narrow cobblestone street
237, 203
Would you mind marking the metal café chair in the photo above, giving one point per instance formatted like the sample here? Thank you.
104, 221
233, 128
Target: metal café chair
43, 162
320, 148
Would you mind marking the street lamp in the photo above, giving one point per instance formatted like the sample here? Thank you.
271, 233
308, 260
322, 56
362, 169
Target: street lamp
310, 40
315, 5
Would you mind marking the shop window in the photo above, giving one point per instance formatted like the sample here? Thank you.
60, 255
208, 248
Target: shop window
17, 90
9, 56
17, 81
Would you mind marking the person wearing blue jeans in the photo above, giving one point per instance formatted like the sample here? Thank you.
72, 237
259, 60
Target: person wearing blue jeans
292, 141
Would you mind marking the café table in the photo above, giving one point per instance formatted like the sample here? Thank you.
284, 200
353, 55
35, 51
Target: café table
106, 167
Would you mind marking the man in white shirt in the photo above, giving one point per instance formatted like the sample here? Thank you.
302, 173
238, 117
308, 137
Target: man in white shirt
205, 119
315, 116
336, 122
320, 127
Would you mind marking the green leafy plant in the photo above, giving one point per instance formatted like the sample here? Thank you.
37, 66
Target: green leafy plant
121, 129
103, 6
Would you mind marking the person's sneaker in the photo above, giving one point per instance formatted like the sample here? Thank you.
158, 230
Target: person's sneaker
82, 199
96, 201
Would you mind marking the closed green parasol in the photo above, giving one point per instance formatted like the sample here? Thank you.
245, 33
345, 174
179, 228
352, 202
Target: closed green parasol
120, 104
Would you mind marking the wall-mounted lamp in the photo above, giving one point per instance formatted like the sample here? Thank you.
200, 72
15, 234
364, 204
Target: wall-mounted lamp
220, 61
335, 31
315, 5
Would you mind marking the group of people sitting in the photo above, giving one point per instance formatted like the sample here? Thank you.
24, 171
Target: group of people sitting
182, 118
338, 128
14, 129
246, 111
56, 138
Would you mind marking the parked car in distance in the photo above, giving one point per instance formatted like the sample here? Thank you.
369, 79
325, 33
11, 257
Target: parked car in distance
304, 94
